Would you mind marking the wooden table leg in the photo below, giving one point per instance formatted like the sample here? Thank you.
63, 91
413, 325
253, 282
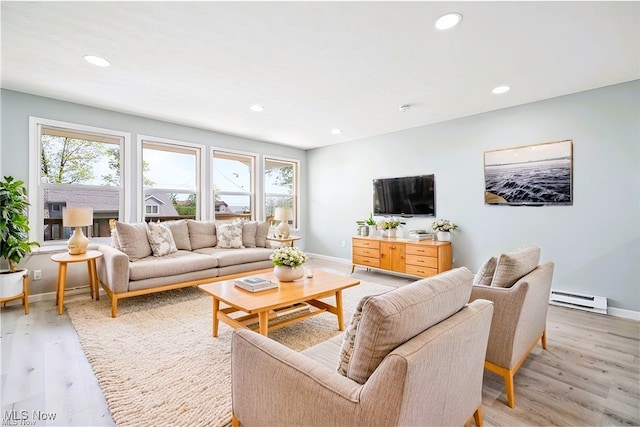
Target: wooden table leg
263, 317
90, 274
216, 307
62, 278
339, 311
25, 289
93, 279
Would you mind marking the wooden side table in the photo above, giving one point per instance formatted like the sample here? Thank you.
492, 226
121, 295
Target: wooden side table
65, 258
289, 239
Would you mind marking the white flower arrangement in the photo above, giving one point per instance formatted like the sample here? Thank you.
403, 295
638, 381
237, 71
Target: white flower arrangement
443, 225
288, 256
389, 223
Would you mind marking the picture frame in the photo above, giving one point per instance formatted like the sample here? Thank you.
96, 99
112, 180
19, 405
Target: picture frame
531, 175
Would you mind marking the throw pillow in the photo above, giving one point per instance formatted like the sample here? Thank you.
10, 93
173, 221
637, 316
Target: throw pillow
180, 233
114, 239
349, 337
229, 236
262, 233
160, 239
133, 240
202, 234
249, 229
484, 276
511, 266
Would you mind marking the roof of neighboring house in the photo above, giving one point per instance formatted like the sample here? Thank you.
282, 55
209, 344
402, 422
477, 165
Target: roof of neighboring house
165, 207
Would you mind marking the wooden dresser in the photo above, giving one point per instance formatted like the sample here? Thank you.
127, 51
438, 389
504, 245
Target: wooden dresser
412, 257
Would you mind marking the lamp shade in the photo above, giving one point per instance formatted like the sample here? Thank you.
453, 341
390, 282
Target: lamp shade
283, 214
77, 217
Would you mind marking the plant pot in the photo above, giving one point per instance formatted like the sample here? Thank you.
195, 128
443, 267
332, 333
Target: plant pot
444, 236
390, 232
288, 274
11, 283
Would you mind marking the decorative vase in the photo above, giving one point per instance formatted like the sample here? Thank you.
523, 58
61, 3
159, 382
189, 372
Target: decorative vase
444, 236
288, 274
390, 232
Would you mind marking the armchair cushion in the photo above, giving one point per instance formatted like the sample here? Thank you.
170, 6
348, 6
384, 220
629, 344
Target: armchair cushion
393, 318
511, 266
484, 276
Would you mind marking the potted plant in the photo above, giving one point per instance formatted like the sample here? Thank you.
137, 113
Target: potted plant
443, 229
288, 262
369, 223
389, 226
14, 234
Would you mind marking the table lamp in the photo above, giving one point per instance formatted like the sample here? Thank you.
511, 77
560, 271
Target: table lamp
283, 215
78, 218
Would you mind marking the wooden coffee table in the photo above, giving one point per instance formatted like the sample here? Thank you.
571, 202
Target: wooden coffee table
262, 305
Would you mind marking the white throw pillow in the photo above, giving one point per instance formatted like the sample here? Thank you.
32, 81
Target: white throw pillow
229, 236
160, 239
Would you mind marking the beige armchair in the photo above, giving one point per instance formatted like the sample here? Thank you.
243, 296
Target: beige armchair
519, 318
411, 356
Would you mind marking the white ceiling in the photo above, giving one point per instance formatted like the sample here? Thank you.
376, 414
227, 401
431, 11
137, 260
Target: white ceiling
315, 66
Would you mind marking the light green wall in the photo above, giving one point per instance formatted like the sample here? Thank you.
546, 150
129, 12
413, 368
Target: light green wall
595, 243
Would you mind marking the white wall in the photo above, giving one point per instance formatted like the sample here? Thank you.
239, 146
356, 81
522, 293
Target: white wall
595, 243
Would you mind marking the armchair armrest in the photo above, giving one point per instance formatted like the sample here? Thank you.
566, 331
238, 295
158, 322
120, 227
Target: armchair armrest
274, 385
113, 269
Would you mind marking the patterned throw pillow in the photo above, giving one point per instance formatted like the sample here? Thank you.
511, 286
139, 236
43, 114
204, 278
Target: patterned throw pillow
160, 239
349, 337
229, 236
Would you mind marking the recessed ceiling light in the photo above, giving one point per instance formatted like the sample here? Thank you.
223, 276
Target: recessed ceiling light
257, 108
96, 60
336, 131
500, 90
448, 21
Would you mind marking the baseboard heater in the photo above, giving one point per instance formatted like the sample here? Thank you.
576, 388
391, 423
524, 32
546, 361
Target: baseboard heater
580, 301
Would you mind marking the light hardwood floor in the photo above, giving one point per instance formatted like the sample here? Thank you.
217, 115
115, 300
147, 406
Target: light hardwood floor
590, 374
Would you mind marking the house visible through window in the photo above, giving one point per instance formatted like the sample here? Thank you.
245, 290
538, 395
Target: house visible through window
233, 185
170, 179
281, 187
77, 167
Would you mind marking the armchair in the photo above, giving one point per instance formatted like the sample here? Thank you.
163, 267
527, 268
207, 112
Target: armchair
519, 319
417, 359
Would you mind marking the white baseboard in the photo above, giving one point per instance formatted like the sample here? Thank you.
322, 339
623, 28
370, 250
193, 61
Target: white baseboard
621, 312
51, 296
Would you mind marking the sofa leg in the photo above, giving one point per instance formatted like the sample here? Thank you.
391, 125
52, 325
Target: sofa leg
477, 416
544, 339
509, 388
114, 306
234, 420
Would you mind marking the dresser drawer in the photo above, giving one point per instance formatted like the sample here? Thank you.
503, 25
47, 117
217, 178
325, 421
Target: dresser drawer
368, 252
420, 271
363, 260
422, 250
422, 261
362, 243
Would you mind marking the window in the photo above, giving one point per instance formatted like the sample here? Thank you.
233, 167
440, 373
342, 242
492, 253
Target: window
233, 185
281, 187
74, 166
170, 179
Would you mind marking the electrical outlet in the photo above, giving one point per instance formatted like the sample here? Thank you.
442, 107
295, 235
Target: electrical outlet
37, 274
344, 244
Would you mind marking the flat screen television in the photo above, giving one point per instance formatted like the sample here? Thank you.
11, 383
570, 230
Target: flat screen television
405, 196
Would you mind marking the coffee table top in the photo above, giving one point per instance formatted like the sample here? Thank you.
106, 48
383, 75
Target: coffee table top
322, 284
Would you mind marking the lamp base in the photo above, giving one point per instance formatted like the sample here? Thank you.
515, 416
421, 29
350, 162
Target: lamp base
78, 243
284, 230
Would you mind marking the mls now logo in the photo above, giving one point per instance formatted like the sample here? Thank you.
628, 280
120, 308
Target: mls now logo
26, 418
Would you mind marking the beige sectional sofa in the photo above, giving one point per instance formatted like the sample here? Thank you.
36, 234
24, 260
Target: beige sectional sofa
146, 258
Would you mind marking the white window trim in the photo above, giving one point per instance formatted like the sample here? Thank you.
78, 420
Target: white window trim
254, 195
296, 184
202, 198
35, 123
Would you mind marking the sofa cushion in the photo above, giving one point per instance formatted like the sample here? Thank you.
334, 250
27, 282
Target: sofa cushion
229, 257
349, 337
202, 234
511, 266
179, 262
249, 230
160, 239
484, 276
133, 240
262, 233
180, 233
229, 236
393, 318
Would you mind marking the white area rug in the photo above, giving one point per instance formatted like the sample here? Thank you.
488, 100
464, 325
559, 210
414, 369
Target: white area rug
158, 364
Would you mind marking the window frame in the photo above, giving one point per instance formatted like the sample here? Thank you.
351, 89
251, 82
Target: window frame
296, 187
252, 193
36, 207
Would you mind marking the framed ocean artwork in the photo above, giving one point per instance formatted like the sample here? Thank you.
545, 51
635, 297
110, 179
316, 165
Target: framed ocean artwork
533, 175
